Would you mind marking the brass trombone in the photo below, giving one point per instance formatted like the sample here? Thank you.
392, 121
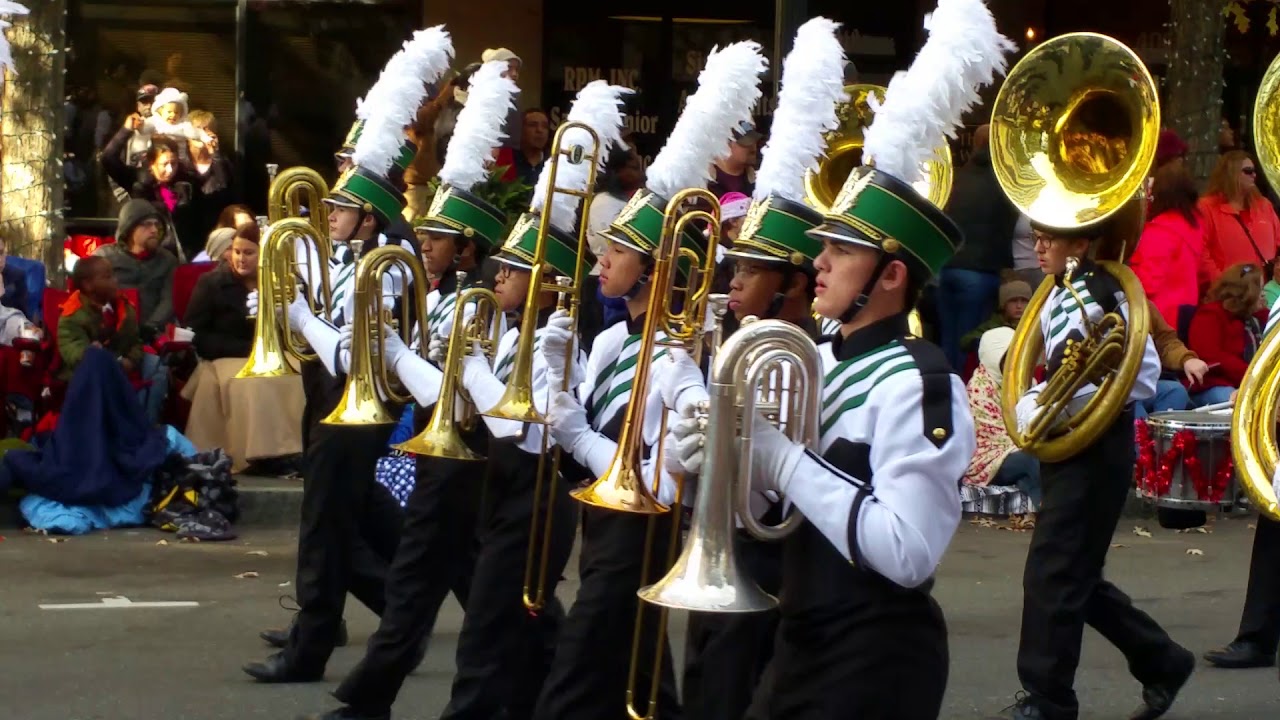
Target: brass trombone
277, 281
441, 437
295, 188
369, 378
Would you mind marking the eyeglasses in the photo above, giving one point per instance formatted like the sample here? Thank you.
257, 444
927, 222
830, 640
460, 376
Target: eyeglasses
1249, 170
1039, 238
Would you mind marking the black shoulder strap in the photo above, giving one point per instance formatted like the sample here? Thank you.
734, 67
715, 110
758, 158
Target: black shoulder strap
935, 373
1103, 289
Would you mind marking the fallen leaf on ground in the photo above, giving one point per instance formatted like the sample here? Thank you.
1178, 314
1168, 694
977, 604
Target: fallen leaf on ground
247, 575
984, 522
1141, 532
1252, 526
163, 542
190, 539
56, 540
263, 553
1118, 545
1194, 551
1201, 530
286, 583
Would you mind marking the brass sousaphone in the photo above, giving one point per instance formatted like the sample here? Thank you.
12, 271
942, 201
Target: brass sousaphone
1253, 422
1073, 136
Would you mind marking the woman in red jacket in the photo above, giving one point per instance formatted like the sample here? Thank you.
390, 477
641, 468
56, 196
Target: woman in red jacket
1241, 225
1226, 330
1167, 259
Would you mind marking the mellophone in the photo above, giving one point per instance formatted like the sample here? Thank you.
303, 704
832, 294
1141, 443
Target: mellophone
1185, 463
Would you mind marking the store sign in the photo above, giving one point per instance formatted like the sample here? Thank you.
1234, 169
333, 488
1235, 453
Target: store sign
641, 122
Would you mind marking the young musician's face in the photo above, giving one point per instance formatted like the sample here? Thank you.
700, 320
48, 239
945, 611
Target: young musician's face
511, 286
753, 287
438, 251
342, 223
620, 269
843, 271
1052, 252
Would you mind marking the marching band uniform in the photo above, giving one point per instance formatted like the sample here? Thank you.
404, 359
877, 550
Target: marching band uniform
344, 510
436, 553
726, 653
1063, 586
1256, 642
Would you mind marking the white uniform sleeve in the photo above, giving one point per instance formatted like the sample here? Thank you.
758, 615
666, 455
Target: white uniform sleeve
323, 339
1144, 386
420, 378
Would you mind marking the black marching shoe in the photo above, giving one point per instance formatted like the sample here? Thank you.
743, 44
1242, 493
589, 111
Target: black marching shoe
279, 637
1158, 698
276, 669
1241, 654
1023, 708
347, 713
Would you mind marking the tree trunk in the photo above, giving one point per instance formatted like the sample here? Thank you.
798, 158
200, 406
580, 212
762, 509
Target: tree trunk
31, 135
1197, 57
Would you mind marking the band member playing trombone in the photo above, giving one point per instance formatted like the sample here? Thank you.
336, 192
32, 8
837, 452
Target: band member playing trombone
342, 502
589, 674
773, 277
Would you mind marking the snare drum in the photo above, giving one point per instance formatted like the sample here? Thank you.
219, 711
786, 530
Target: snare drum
1163, 474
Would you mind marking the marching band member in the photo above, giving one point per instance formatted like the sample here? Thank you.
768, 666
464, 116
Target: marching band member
860, 635
342, 504
588, 675
435, 556
503, 648
773, 277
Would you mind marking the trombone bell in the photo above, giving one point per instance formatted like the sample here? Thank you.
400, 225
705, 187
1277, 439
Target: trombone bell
360, 405
441, 442
517, 404
622, 488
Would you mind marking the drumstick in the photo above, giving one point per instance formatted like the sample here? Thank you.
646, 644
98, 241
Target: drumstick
1217, 407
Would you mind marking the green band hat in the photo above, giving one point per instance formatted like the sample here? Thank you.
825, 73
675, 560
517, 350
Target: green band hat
775, 231
639, 227
365, 190
460, 212
349, 144
879, 211
562, 248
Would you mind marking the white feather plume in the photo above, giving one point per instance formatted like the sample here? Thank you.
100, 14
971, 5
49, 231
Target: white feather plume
924, 105
392, 103
599, 107
728, 90
479, 126
8, 8
812, 87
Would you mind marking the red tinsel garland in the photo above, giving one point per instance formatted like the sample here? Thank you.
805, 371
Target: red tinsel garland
1154, 478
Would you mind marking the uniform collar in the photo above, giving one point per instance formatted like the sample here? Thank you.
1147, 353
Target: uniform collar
865, 339
448, 284
635, 325
1085, 268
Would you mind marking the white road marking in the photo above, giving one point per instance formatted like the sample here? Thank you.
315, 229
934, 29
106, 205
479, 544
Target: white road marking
115, 603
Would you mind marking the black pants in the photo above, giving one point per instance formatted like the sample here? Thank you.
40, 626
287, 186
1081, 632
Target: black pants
504, 651
1062, 584
1260, 622
588, 677
435, 556
726, 653
350, 526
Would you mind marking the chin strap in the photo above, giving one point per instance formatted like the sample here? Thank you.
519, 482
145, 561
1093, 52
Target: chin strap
861, 301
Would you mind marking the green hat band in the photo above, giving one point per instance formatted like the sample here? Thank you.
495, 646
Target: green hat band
408, 151
776, 228
877, 208
561, 252
374, 193
458, 211
639, 226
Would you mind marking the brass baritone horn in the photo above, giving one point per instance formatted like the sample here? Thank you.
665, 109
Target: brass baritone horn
277, 283
441, 437
292, 190
369, 379
769, 358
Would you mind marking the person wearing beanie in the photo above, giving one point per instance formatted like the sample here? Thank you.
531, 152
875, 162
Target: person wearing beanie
733, 210
1012, 301
218, 245
997, 460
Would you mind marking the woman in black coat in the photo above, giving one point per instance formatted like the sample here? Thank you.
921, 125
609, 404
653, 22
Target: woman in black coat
216, 312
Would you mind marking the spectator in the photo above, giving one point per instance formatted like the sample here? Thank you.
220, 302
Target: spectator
454, 95
535, 138
969, 284
141, 264
97, 316
623, 175
736, 172
1226, 330
1013, 299
733, 212
167, 182
212, 177
1171, 149
234, 216
512, 125
1240, 224
1026, 266
997, 461
218, 247
15, 282
1271, 291
1177, 362
1168, 258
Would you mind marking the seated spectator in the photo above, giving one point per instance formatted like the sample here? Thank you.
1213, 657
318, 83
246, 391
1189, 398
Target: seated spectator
1013, 299
1167, 260
252, 421
1177, 362
15, 282
97, 316
1226, 330
141, 264
997, 461
234, 216
218, 247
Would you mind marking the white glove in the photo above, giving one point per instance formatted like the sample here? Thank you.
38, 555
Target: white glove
1027, 409
1275, 482
393, 346
344, 349
568, 425
300, 312
437, 348
773, 458
251, 302
474, 366
685, 442
680, 381
556, 338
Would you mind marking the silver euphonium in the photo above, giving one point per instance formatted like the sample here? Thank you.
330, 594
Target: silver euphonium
770, 368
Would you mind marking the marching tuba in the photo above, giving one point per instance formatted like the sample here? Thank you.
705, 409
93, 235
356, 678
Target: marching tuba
369, 378
441, 437
765, 360
1073, 136
1253, 423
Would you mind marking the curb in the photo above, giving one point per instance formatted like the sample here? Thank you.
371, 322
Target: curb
269, 502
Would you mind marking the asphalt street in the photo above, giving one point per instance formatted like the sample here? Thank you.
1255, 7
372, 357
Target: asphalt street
107, 657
